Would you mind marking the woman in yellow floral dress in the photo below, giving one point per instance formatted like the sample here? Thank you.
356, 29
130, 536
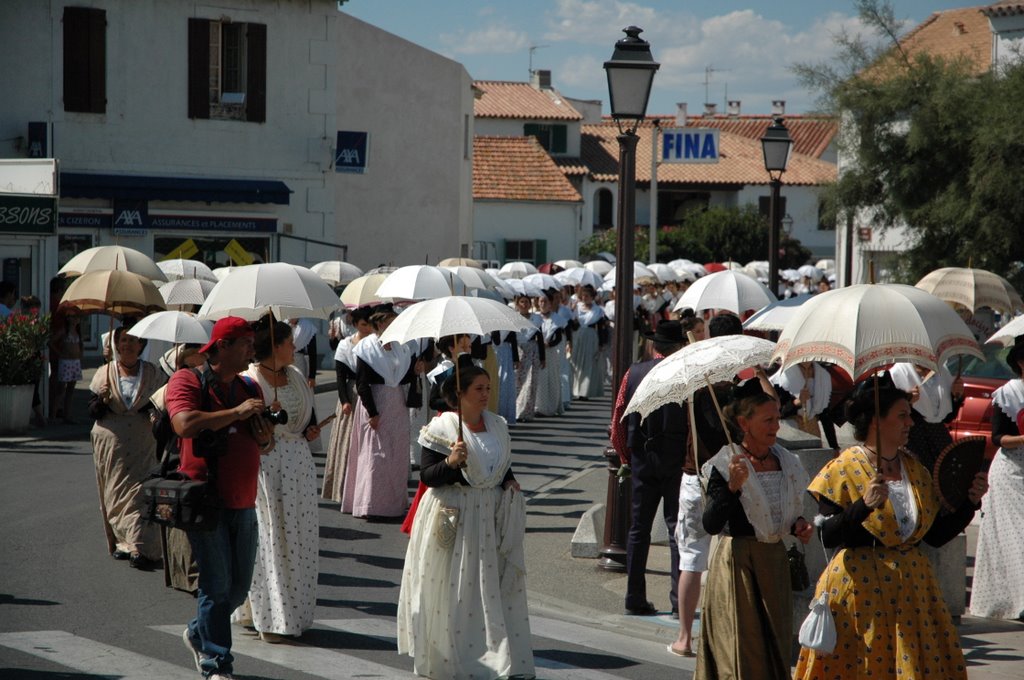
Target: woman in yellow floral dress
876, 505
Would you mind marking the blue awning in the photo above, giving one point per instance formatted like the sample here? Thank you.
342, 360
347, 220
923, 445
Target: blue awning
143, 188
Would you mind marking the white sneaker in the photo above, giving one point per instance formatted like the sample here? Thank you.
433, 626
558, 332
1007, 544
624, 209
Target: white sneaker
197, 657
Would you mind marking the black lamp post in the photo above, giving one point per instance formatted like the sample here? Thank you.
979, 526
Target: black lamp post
776, 145
630, 74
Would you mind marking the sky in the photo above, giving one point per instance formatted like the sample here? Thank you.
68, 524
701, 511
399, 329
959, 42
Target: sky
708, 51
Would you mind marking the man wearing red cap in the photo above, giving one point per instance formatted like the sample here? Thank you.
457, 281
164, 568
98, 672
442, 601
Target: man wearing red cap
217, 441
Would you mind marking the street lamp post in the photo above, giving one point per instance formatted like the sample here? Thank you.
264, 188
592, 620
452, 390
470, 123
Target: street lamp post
630, 74
776, 145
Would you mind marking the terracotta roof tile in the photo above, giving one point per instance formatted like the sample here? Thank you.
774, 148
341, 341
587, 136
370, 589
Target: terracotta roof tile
1003, 9
742, 161
503, 99
811, 134
517, 169
963, 33
571, 166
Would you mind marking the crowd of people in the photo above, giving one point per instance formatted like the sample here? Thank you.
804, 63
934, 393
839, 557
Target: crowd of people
448, 409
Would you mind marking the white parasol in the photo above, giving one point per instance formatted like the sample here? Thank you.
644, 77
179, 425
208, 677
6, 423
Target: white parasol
363, 291
117, 258
516, 270
187, 291
421, 282
336, 272
474, 278
580, 276
599, 267
176, 327
179, 268
568, 264
868, 326
663, 272
969, 288
699, 364
640, 271
285, 290
543, 281
523, 287
732, 290
1005, 335
455, 314
775, 316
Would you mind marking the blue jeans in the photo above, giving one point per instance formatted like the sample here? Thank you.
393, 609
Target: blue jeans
225, 557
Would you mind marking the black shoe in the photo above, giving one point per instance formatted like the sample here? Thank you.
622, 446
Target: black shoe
675, 614
137, 561
120, 555
646, 609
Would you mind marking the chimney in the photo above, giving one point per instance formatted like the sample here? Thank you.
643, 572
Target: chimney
710, 109
959, 28
541, 79
681, 114
778, 107
734, 107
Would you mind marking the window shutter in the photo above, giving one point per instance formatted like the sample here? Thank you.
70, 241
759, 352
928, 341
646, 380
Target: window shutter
540, 251
85, 60
256, 73
501, 251
558, 139
198, 68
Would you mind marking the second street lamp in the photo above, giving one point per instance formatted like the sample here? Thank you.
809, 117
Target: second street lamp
630, 75
776, 145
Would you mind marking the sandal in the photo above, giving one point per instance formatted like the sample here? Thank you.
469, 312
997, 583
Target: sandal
684, 652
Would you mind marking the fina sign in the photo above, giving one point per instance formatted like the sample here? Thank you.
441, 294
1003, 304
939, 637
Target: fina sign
689, 145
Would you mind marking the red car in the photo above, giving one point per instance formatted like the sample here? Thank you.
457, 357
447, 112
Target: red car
981, 379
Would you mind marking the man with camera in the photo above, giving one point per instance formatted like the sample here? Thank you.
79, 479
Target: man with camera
217, 416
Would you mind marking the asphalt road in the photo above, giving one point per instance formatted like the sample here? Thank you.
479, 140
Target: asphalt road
67, 610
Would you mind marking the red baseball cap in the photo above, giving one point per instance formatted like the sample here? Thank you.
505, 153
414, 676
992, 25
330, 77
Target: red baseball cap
228, 328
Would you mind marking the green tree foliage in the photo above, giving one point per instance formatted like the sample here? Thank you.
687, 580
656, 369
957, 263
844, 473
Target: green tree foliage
933, 145
717, 234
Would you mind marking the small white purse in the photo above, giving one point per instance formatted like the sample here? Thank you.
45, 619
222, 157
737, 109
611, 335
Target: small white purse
818, 631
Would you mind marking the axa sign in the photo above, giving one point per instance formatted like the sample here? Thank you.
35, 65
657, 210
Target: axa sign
130, 217
690, 145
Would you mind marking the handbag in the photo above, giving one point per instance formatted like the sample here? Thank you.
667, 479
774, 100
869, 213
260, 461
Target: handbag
799, 579
818, 631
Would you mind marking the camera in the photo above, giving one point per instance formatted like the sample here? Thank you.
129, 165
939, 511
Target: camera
211, 443
276, 417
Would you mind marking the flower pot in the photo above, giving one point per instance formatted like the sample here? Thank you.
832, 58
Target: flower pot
15, 407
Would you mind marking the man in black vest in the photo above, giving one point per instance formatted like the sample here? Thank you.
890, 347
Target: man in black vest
655, 450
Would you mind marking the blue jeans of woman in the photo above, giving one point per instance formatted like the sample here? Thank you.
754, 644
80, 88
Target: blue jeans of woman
225, 557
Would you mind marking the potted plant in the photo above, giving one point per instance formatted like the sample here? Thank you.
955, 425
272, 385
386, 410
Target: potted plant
22, 341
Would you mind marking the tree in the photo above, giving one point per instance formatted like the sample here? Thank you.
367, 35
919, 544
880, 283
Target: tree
716, 234
934, 146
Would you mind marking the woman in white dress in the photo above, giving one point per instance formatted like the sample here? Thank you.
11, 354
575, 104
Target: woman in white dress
998, 589
462, 609
587, 354
283, 590
549, 378
532, 358
341, 432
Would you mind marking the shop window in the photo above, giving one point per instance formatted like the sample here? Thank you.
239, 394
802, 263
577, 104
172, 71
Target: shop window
227, 70
551, 137
211, 250
85, 60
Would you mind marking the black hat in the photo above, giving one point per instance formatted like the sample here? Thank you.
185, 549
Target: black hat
669, 331
862, 399
750, 387
1015, 354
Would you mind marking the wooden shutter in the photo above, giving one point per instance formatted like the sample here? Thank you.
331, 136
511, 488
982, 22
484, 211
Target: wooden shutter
85, 60
540, 251
198, 68
558, 139
256, 73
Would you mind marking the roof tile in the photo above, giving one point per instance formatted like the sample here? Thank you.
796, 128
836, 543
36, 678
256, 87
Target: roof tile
503, 99
517, 169
811, 134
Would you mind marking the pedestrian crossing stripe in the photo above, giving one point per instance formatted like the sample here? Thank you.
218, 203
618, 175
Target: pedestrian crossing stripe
97, 658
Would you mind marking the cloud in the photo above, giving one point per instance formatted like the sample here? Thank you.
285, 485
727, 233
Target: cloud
491, 39
595, 21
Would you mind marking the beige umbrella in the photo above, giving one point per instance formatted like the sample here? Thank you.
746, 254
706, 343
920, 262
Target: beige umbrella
568, 264
105, 258
117, 293
969, 288
460, 262
363, 291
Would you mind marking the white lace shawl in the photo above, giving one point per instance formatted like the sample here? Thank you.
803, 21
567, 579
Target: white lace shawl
1010, 398
441, 433
346, 352
753, 499
936, 400
792, 380
391, 364
591, 316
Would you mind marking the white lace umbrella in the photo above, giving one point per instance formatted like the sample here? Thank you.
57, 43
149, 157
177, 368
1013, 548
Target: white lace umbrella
599, 267
283, 289
580, 276
732, 290
113, 258
336, 272
516, 270
664, 272
542, 281
363, 291
1005, 335
453, 315
176, 327
187, 291
970, 288
421, 282
185, 269
698, 365
868, 326
523, 287
775, 316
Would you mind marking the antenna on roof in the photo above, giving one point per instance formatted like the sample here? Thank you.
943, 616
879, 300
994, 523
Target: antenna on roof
534, 48
708, 70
